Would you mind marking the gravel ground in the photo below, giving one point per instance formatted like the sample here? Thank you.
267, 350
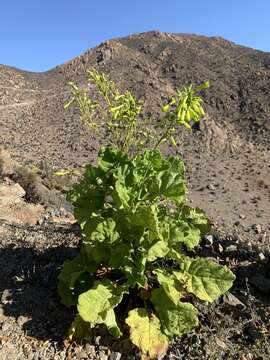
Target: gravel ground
34, 324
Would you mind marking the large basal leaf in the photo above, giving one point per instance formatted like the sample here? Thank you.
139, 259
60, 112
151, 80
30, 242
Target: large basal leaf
146, 334
205, 278
176, 318
170, 285
75, 277
96, 305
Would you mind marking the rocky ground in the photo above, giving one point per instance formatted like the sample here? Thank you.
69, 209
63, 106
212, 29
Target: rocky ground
228, 170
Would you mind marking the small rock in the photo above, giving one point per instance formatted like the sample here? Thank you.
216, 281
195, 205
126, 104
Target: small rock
221, 343
242, 216
257, 228
115, 356
232, 300
261, 256
36, 355
97, 340
231, 248
2, 314
90, 350
81, 354
102, 356
211, 187
22, 320
6, 326
220, 248
6, 296
209, 239
62, 354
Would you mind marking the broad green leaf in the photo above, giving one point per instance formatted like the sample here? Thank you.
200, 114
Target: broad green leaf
146, 216
172, 180
99, 229
79, 330
96, 305
100, 252
205, 278
181, 232
109, 158
159, 250
146, 334
121, 256
196, 217
176, 318
170, 285
75, 278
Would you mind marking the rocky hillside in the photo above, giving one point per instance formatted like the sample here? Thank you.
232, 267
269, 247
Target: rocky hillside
35, 126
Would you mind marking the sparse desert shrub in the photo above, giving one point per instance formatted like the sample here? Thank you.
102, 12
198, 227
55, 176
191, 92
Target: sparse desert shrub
133, 272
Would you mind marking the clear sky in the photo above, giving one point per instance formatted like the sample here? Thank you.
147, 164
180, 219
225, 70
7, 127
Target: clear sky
37, 35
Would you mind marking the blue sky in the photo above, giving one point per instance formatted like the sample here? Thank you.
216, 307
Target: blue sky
37, 35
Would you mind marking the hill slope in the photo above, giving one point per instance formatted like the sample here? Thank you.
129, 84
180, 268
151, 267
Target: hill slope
227, 157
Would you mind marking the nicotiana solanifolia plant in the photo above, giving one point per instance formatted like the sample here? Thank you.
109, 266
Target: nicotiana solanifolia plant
133, 272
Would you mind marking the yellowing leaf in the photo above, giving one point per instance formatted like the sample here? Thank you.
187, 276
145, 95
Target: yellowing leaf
96, 305
145, 333
206, 279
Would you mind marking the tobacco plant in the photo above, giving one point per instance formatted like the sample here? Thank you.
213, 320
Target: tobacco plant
134, 272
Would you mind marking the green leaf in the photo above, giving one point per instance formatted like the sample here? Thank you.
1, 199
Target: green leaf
159, 250
96, 305
176, 318
146, 334
121, 256
135, 271
205, 279
123, 191
146, 216
196, 217
170, 285
109, 158
79, 330
99, 229
181, 232
172, 180
74, 278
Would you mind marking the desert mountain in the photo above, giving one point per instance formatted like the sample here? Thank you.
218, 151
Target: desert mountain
153, 65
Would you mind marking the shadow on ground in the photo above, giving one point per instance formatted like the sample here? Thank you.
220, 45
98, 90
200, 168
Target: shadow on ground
29, 289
